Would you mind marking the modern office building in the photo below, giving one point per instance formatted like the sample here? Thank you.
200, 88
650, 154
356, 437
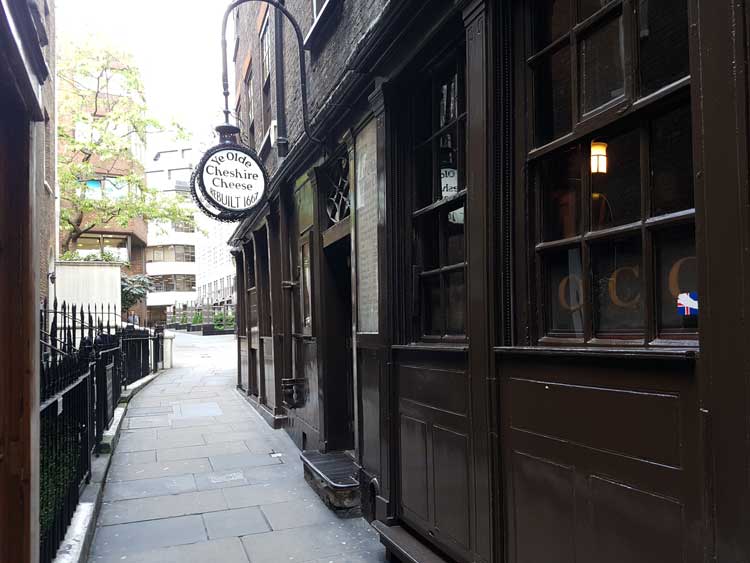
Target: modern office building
170, 256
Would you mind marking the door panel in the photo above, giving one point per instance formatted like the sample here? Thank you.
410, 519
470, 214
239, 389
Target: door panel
601, 458
435, 449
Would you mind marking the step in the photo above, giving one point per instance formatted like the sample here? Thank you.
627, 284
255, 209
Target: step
405, 546
334, 477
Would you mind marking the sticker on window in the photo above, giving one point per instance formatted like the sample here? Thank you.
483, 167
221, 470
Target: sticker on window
687, 304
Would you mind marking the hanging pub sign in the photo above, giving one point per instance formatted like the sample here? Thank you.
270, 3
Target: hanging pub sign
228, 182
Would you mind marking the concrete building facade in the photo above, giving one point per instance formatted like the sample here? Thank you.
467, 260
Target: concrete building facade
170, 256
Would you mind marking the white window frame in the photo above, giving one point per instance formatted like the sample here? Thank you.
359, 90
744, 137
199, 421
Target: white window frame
265, 50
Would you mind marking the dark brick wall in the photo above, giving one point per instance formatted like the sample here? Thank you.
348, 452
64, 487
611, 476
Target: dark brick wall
346, 25
46, 172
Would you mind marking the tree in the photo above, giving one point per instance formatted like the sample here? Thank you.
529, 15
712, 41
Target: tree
103, 125
134, 289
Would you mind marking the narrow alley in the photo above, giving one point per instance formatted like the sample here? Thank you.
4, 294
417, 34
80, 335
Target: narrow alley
197, 476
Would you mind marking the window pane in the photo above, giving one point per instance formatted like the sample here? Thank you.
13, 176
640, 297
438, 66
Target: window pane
306, 292
366, 225
304, 201
564, 292
672, 162
616, 194
552, 19
448, 95
552, 96
453, 227
587, 8
433, 323
422, 107
602, 61
169, 254
427, 241
455, 306
618, 305
423, 177
448, 155
560, 188
677, 271
663, 34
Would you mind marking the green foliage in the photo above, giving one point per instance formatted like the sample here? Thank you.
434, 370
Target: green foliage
197, 318
134, 289
222, 321
103, 125
75, 256
183, 319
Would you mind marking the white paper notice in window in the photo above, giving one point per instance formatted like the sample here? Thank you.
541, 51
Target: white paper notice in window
367, 228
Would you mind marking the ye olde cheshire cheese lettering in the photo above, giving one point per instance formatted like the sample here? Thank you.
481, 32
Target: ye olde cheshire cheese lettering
233, 180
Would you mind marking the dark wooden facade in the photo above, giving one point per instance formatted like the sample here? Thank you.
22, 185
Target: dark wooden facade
27, 180
490, 325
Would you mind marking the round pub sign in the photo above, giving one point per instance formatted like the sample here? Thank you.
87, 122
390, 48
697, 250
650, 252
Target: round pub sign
229, 179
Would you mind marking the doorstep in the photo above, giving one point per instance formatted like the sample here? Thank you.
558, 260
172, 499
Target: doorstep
333, 476
405, 546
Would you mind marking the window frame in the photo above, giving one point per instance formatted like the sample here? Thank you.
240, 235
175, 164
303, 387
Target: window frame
449, 61
622, 114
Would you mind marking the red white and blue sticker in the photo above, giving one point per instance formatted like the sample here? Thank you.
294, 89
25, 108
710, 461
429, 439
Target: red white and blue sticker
687, 304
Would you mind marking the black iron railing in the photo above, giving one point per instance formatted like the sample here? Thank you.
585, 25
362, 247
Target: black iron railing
87, 357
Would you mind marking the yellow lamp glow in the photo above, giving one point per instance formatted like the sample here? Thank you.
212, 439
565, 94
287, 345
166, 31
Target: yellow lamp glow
598, 157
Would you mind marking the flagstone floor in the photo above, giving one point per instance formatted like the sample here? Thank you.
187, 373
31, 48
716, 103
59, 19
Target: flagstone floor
198, 477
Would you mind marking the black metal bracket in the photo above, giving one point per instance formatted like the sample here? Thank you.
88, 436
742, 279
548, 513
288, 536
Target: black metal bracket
226, 130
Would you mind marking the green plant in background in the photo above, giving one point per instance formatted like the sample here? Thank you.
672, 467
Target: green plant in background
198, 318
134, 289
229, 321
104, 256
106, 121
183, 319
219, 321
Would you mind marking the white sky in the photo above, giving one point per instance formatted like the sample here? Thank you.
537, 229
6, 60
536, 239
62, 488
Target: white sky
177, 45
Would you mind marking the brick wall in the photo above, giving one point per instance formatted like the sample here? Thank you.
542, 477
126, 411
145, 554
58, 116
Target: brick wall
349, 22
45, 190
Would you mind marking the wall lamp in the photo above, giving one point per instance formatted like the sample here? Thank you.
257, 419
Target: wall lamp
598, 157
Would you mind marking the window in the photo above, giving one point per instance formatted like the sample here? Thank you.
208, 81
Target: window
366, 225
250, 110
183, 226
265, 48
614, 232
171, 253
439, 200
611, 68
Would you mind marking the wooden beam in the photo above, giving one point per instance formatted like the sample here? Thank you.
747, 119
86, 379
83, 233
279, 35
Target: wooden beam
19, 344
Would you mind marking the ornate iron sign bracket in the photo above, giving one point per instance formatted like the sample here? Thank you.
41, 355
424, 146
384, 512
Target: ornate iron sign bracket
227, 130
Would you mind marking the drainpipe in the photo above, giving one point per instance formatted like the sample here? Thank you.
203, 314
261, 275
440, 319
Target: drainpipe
282, 143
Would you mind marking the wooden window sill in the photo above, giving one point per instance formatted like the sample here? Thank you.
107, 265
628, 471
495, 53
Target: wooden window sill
686, 353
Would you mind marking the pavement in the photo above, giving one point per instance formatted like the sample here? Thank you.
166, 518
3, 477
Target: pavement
198, 477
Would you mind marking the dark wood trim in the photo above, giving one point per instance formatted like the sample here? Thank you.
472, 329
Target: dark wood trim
19, 338
687, 354
336, 232
480, 296
719, 59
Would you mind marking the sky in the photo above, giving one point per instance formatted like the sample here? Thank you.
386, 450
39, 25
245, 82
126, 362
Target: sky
177, 45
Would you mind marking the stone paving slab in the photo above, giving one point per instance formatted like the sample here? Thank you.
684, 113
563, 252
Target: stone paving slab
242, 460
153, 508
229, 550
140, 536
149, 487
192, 452
193, 479
309, 543
157, 469
147, 456
235, 523
267, 493
296, 513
